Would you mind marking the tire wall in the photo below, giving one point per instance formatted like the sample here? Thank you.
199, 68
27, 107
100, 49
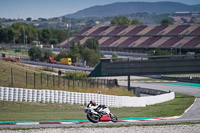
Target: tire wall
54, 96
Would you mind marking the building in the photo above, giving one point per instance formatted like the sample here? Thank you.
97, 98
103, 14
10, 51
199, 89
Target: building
142, 38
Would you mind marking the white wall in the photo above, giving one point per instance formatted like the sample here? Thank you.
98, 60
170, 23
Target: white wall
54, 96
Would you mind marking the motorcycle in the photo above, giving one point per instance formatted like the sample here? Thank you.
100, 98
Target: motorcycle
103, 114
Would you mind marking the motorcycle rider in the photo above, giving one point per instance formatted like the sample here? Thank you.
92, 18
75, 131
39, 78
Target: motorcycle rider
97, 107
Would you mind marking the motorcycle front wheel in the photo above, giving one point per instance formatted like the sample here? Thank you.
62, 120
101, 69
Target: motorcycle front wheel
113, 118
93, 118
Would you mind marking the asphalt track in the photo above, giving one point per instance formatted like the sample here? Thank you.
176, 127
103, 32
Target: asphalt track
191, 115
59, 66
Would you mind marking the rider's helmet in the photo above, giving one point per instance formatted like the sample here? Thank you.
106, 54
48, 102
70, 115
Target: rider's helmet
93, 103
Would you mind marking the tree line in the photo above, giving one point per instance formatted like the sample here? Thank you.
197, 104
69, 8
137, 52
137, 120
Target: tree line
21, 33
89, 51
123, 21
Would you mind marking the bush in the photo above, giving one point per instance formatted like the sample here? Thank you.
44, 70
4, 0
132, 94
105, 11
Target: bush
17, 50
75, 75
35, 53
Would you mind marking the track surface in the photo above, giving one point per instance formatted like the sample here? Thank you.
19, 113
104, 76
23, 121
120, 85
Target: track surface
192, 115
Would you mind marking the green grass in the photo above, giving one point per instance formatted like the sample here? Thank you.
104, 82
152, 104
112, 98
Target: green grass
175, 107
24, 111
15, 53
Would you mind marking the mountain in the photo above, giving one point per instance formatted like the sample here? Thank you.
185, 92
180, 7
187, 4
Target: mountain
122, 8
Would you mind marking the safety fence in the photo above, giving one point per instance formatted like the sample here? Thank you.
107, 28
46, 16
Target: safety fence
20, 78
54, 96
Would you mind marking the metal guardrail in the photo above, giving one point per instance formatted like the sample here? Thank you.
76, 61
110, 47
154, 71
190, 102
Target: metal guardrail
138, 91
144, 57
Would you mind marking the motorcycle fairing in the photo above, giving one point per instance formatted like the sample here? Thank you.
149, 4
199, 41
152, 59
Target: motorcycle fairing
105, 118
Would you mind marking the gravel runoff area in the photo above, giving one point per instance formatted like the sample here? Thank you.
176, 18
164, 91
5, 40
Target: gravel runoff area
194, 128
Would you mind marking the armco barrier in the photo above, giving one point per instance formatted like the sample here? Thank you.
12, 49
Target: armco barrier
45, 96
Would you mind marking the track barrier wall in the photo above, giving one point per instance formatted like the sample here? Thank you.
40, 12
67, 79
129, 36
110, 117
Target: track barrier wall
55, 96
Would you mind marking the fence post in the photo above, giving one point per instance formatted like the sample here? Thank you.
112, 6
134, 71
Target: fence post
129, 82
12, 79
63, 82
73, 82
94, 81
90, 83
47, 80
26, 78
82, 82
34, 81
68, 82
53, 80
107, 83
101, 83
86, 83
58, 81
97, 83
41, 79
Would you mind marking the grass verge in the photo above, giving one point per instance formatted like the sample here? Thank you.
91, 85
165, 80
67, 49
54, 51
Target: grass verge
24, 111
51, 82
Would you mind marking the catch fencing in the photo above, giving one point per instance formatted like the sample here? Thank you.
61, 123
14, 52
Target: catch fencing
54, 96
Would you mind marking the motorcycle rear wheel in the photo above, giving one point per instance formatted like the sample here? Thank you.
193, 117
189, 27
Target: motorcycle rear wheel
93, 118
113, 118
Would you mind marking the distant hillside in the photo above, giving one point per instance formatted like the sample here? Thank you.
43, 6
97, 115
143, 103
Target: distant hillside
121, 8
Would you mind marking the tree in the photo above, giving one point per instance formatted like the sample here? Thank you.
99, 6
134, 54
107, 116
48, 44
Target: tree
35, 53
47, 54
158, 52
198, 22
59, 35
114, 56
120, 21
91, 57
46, 35
3, 35
10, 35
62, 54
135, 22
54, 41
166, 21
22, 30
92, 43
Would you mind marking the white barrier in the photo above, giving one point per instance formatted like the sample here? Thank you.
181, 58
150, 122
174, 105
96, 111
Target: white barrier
45, 96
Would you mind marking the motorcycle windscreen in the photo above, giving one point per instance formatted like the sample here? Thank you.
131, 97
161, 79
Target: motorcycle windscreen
105, 118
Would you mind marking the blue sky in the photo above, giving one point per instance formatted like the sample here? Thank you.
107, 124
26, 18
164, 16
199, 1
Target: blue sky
55, 8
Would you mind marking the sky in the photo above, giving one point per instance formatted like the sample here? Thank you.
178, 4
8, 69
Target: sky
54, 8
